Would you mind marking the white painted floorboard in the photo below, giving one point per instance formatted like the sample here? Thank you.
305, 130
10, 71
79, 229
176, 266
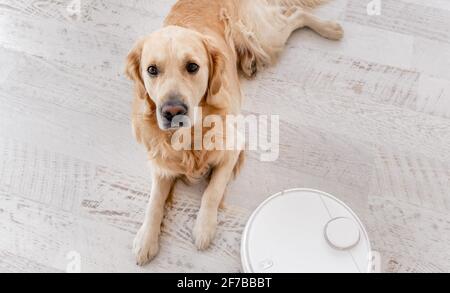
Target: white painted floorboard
366, 119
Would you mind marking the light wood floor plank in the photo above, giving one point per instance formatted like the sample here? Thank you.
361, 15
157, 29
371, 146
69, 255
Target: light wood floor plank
403, 17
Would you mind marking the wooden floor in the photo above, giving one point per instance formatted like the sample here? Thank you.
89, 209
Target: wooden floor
366, 119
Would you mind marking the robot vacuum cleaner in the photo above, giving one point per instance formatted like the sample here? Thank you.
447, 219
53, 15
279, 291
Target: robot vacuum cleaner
305, 231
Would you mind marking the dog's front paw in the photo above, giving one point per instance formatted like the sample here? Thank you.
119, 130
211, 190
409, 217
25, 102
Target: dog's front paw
145, 245
205, 229
333, 31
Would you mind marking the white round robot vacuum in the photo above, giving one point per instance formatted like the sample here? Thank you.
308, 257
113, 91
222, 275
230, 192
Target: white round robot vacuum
305, 231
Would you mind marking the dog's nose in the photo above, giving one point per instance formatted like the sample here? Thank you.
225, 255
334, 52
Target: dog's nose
172, 109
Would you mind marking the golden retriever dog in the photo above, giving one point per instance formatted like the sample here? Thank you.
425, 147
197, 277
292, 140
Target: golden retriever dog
195, 61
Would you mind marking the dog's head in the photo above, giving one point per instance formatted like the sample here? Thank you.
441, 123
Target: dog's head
176, 70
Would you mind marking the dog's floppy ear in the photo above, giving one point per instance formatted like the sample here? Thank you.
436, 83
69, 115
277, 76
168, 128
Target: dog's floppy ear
216, 70
133, 71
133, 68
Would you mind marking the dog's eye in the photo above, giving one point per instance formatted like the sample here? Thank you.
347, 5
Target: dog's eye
192, 68
153, 71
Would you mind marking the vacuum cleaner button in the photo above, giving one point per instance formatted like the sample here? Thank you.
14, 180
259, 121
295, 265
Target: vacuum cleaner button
342, 233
